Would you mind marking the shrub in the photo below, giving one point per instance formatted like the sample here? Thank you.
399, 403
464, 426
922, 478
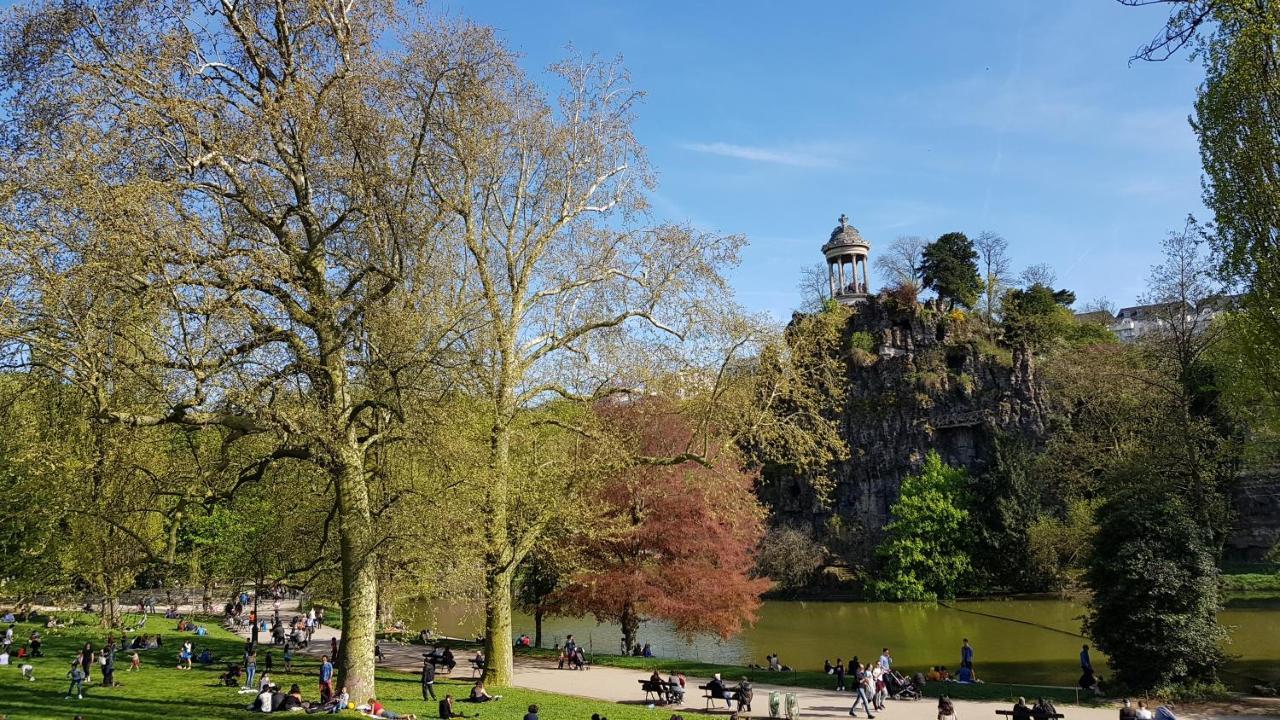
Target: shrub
862, 341
789, 557
903, 297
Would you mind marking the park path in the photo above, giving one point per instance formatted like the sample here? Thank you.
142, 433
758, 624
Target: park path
620, 685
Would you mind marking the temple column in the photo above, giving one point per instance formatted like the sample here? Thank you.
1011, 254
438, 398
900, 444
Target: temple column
866, 286
831, 278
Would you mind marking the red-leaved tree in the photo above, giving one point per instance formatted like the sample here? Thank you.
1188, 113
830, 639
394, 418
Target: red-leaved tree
672, 538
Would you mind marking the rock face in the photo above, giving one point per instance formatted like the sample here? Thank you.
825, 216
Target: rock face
1257, 524
925, 385
920, 381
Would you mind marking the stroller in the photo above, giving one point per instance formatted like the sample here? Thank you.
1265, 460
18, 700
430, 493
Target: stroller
900, 688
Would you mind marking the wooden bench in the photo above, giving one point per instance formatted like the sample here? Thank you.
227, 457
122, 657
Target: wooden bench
437, 659
665, 692
1051, 716
706, 695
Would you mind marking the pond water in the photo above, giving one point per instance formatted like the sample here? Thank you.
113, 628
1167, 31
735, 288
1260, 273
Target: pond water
1034, 641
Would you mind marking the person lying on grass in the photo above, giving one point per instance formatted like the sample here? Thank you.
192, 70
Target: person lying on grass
376, 710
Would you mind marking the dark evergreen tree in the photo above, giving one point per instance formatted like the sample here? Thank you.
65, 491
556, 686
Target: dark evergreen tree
1003, 504
1155, 591
949, 267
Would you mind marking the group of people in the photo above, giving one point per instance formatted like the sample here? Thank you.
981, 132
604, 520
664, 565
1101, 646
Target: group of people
870, 682
270, 699
80, 673
31, 648
670, 690
641, 651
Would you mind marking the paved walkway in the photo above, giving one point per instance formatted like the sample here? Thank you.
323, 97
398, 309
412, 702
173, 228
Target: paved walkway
620, 685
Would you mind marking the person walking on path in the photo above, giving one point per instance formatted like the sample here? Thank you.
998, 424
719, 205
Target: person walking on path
966, 654
428, 679
862, 693
839, 671
1086, 665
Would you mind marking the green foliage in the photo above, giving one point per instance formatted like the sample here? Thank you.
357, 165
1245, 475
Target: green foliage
1033, 317
949, 267
1244, 369
1250, 582
1154, 585
862, 341
922, 555
1005, 504
1058, 547
1240, 147
803, 379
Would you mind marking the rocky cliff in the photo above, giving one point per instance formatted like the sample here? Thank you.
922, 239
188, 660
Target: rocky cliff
917, 379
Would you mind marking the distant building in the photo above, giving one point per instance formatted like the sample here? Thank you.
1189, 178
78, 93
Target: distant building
1133, 322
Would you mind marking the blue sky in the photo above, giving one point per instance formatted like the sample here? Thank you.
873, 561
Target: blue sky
770, 119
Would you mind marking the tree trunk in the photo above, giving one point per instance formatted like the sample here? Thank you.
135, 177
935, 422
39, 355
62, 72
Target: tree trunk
537, 626
498, 564
359, 600
630, 623
497, 630
110, 613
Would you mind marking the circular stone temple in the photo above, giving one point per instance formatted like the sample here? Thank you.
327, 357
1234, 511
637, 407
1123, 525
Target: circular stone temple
846, 254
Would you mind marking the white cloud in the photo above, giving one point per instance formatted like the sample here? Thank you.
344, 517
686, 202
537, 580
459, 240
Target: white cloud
776, 156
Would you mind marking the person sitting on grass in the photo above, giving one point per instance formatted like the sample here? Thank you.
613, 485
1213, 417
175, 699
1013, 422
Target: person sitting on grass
447, 710
480, 695
376, 710
532, 714
336, 704
293, 699
28, 672
262, 701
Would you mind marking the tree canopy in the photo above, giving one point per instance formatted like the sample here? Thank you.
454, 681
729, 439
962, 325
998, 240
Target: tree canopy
948, 266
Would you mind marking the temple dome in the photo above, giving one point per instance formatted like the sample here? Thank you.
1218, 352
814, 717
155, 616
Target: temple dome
845, 236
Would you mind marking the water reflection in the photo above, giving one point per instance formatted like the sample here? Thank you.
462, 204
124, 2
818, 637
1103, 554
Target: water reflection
1018, 640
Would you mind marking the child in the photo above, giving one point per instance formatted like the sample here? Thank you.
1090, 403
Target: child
134, 662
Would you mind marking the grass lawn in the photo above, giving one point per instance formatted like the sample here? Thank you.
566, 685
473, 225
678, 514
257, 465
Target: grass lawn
161, 691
